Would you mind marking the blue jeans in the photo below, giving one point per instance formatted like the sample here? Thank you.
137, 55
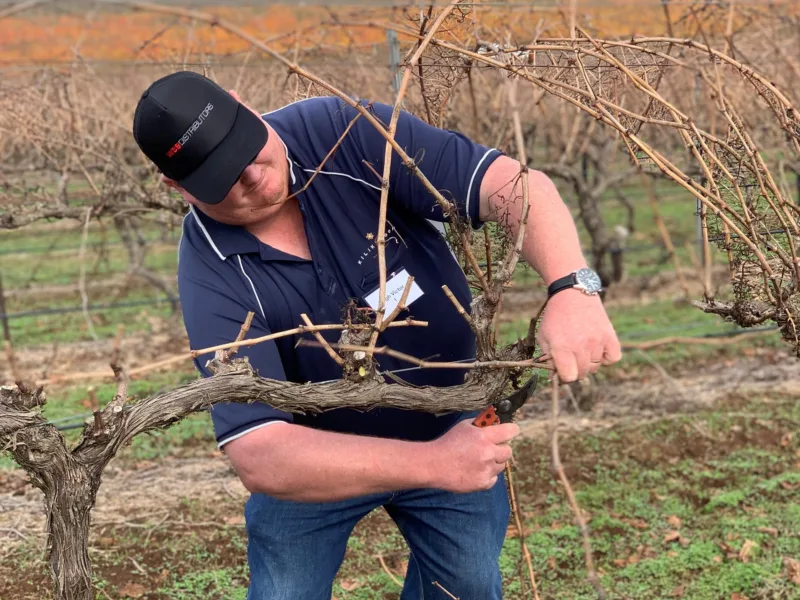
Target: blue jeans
295, 549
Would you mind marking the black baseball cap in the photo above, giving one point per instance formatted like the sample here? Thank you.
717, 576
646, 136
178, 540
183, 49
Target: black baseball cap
197, 134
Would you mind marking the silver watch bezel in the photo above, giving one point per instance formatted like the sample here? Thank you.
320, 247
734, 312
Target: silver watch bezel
588, 282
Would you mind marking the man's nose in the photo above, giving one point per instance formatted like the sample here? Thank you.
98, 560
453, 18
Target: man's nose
250, 175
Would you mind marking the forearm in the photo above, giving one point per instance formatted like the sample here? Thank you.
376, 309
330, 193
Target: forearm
551, 245
298, 463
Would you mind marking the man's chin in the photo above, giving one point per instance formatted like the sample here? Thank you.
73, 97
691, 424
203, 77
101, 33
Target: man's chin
244, 216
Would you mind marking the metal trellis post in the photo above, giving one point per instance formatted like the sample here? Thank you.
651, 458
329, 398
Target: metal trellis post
394, 60
3, 313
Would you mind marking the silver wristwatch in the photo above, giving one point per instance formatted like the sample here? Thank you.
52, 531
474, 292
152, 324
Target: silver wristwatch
584, 280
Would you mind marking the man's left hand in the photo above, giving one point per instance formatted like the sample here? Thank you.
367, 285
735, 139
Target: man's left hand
577, 335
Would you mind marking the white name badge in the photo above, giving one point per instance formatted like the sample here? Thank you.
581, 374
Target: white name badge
394, 291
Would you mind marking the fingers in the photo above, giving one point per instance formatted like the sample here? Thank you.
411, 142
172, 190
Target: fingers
566, 364
583, 359
613, 351
503, 433
596, 358
503, 454
572, 364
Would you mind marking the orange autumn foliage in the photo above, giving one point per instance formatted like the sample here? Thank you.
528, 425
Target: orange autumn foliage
123, 36
140, 35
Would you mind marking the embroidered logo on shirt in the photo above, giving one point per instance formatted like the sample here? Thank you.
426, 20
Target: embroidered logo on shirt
392, 235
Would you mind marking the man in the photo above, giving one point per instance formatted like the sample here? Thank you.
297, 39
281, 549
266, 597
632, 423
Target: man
270, 233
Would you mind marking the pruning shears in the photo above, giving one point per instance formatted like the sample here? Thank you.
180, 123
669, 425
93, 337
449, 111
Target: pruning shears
503, 410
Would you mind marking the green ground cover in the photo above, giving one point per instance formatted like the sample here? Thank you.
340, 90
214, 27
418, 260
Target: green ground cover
674, 513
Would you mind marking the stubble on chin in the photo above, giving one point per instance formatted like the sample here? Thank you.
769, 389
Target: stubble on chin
260, 202
249, 212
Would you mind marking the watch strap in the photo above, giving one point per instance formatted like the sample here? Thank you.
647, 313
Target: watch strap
562, 283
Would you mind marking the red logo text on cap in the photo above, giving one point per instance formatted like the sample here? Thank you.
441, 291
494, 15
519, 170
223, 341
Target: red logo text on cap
190, 132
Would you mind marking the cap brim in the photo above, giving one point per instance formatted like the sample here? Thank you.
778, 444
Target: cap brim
214, 178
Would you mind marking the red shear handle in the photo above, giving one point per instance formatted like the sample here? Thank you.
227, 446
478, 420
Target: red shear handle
486, 418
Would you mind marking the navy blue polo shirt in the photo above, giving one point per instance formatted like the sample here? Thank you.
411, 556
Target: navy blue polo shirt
224, 271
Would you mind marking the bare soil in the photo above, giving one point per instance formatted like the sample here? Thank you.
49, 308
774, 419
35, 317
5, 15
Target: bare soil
131, 493
765, 372
165, 337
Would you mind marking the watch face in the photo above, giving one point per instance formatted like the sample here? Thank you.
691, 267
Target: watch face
589, 281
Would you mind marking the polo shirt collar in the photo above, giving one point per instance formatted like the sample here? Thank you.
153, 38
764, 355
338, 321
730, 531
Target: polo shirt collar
225, 240
297, 175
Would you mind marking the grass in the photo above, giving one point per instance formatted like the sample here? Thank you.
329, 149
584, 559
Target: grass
63, 267
39, 241
72, 327
672, 514
67, 235
642, 484
646, 254
48, 255
31, 258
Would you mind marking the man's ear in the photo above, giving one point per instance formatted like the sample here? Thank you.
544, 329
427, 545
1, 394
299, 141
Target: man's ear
171, 183
239, 100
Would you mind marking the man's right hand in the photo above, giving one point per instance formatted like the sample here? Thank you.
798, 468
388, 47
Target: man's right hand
469, 458
297, 463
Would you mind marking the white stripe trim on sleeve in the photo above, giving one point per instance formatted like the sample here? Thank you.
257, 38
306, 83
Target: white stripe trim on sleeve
287, 105
245, 432
205, 232
255, 293
472, 179
439, 227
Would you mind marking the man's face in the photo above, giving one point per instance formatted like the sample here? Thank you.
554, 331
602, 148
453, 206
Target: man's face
259, 192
